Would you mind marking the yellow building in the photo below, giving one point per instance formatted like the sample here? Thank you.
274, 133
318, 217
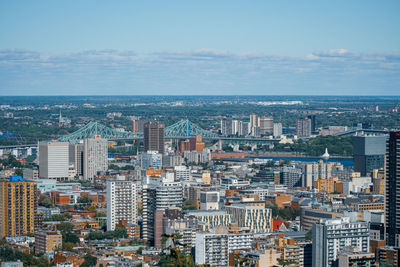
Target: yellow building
18, 206
47, 242
327, 185
206, 177
379, 186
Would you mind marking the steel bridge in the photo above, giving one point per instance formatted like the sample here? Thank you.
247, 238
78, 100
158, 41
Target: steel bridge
180, 130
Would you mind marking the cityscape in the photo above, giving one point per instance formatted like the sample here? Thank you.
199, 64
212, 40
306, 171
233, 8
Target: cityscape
199, 133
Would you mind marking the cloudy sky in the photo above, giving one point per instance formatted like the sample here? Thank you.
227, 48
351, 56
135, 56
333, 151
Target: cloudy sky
199, 47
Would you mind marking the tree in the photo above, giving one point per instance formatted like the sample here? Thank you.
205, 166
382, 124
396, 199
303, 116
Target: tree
45, 201
65, 227
309, 235
89, 261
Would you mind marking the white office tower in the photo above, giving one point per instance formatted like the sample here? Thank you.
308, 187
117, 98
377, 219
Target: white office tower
54, 160
330, 236
209, 200
94, 157
277, 132
151, 159
121, 202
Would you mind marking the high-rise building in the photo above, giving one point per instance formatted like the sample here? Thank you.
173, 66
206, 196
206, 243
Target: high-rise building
369, 153
54, 160
303, 127
95, 154
313, 123
244, 129
290, 176
266, 125
18, 206
277, 129
254, 121
121, 202
154, 136
76, 158
330, 236
392, 192
156, 198
226, 127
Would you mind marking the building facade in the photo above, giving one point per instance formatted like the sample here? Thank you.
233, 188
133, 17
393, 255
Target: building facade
154, 136
95, 157
369, 153
256, 218
330, 236
392, 194
18, 207
54, 160
121, 202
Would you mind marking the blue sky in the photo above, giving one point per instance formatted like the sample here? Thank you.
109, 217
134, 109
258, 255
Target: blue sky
199, 47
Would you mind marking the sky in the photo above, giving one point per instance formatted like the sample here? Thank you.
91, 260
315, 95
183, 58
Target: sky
199, 47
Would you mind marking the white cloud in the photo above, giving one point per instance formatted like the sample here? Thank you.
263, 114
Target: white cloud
202, 70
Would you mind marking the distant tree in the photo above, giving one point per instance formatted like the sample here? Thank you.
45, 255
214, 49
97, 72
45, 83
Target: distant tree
89, 261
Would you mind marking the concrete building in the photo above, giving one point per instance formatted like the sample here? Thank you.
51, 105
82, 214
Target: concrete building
330, 236
209, 200
156, 198
151, 159
357, 185
226, 127
76, 158
154, 136
95, 157
277, 130
54, 160
18, 206
213, 249
353, 257
121, 202
47, 241
369, 153
290, 176
182, 173
392, 192
303, 127
256, 218
244, 128
211, 218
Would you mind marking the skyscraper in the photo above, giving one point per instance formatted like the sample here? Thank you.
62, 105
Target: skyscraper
95, 155
54, 160
154, 136
369, 153
392, 194
156, 198
313, 123
18, 206
121, 202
